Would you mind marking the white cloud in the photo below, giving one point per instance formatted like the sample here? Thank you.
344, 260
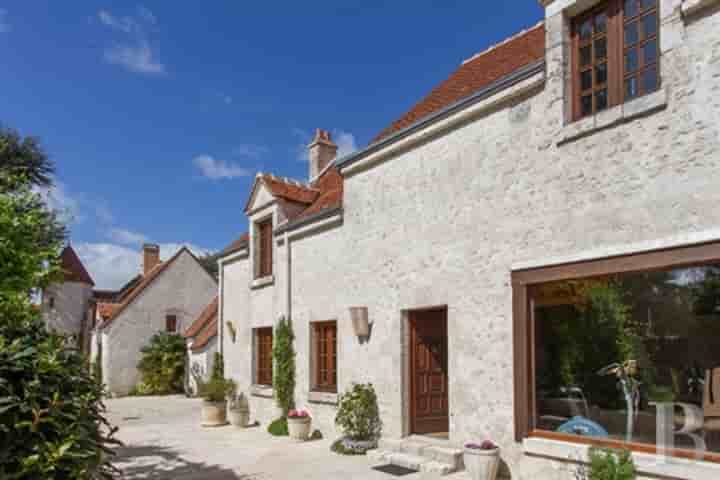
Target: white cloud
344, 140
127, 237
58, 198
219, 169
4, 25
135, 53
111, 265
250, 151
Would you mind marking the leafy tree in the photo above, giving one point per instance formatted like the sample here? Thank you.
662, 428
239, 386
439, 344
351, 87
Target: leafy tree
218, 371
52, 418
284, 358
163, 364
209, 262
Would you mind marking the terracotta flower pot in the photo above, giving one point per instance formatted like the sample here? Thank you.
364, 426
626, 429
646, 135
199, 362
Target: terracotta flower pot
239, 417
482, 464
214, 414
299, 428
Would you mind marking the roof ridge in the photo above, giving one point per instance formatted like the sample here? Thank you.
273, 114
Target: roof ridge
503, 42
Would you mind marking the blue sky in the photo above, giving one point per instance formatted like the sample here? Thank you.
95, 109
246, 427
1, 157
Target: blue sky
158, 114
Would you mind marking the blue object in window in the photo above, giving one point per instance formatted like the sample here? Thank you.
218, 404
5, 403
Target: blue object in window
582, 426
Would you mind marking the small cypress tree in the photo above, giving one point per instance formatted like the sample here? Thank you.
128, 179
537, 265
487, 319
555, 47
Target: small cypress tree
218, 371
284, 357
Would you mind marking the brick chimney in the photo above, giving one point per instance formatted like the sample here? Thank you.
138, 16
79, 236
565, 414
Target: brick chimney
151, 257
321, 151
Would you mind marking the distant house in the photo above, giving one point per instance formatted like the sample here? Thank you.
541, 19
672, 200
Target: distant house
168, 297
202, 344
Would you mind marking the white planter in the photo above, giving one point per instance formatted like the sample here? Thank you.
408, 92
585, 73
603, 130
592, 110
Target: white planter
482, 464
299, 428
239, 418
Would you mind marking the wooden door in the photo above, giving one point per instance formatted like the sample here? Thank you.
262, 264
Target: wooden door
428, 372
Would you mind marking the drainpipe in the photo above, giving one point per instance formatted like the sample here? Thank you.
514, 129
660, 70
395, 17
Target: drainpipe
288, 293
221, 307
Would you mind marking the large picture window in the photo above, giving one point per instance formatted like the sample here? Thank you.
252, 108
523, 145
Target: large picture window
602, 343
615, 54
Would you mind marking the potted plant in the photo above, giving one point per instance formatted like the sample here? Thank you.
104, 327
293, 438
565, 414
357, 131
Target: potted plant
298, 422
239, 411
482, 460
214, 407
358, 416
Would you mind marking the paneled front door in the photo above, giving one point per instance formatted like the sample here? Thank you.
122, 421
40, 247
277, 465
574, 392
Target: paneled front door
428, 371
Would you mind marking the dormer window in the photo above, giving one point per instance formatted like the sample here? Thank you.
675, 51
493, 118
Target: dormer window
615, 54
264, 244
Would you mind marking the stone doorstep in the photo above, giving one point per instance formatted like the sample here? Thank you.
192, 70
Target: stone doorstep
424, 455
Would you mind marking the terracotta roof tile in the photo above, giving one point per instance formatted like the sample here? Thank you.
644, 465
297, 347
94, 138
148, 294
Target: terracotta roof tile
283, 188
105, 310
330, 186
205, 335
201, 322
73, 268
236, 245
476, 73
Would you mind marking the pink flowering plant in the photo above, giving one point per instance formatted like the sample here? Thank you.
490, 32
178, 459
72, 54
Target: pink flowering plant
298, 414
485, 445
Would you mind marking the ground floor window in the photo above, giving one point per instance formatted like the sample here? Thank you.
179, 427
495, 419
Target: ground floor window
324, 356
263, 356
608, 346
171, 323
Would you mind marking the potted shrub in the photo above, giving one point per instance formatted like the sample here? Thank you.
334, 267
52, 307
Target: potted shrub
214, 407
239, 411
298, 422
482, 460
358, 416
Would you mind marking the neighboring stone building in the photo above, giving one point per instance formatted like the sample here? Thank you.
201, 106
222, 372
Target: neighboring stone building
169, 296
558, 191
66, 306
202, 344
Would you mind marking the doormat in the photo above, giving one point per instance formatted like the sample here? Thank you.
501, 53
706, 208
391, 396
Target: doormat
394, 470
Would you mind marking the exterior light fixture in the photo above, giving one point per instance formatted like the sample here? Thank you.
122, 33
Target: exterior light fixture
361, 326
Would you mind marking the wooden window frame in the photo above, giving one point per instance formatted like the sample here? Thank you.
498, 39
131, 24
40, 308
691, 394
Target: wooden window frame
614, 60
524, 330
264, 244
263, 374
324, 334
171, 320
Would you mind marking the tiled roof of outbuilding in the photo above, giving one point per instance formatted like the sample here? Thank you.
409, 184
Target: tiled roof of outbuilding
201, 322
73, 268
236, 245
474, 74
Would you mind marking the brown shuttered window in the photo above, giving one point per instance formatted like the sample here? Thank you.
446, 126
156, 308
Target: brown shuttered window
615, 54
265, 246
171, 323
325, 346
263, 360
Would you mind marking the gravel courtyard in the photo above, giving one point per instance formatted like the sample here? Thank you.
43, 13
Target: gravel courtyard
163, 440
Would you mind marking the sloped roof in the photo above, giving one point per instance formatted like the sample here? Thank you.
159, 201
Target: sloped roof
146, 281
205, 335
330, 186
289, 190
202, 321
474, 74
105, 310
73, 268
236, 245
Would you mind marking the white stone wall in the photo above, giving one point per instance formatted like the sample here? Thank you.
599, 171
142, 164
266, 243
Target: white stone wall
183, 289
70, 306
203, 361
444, 222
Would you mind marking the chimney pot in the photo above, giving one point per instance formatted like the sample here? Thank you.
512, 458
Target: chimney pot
321, 152
151, 257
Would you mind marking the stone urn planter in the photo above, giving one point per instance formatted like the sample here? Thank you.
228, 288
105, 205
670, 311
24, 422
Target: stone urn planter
239, 412
299, 422
214, 414
482, 460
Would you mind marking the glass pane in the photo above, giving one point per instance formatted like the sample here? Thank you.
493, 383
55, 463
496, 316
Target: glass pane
585, 56
601, 74
648, 4
631, 88
586, 105
586, 80
631, 33
600, 48
601, 22
601, 100
631, 60
586, 29
649, 25
650, 52
631, 8
609, 349
649, 78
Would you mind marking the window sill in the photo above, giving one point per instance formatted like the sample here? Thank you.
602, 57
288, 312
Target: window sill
645, 463
328, 398
264, 391
262, 282
614, 116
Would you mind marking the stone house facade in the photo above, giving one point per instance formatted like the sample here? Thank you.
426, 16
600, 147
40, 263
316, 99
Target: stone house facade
452, 225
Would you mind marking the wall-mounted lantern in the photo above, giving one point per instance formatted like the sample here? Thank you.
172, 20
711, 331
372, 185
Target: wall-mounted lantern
361, 325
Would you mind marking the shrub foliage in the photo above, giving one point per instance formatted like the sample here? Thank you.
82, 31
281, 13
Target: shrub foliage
358, 414
163, 364
284, 375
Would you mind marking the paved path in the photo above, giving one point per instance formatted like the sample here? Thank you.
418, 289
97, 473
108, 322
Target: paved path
163, 440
